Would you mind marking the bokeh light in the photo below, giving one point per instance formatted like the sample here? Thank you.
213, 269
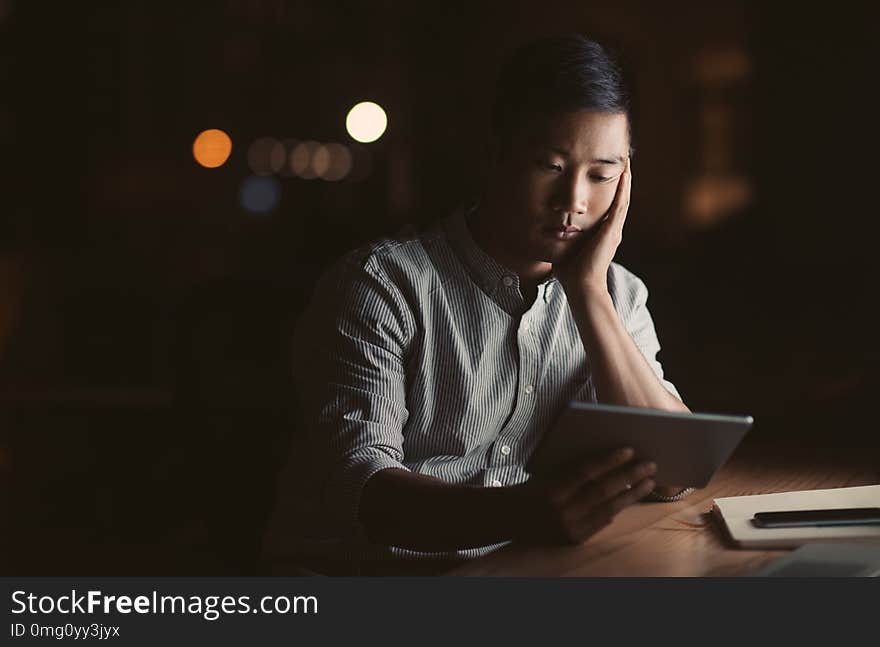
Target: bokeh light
266, 156
709, 199
260, 194
301, 159
289, 145
332, 162
366, 122
212, 148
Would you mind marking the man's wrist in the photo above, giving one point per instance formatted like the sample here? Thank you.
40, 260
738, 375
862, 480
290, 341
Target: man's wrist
588, 297
587, 289
594, 313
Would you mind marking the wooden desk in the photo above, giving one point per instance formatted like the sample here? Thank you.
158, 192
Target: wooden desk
683, 538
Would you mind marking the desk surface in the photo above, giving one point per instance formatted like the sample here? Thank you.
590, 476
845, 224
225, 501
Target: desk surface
683, 538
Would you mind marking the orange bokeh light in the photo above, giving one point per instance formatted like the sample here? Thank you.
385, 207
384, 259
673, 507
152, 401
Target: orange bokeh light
212, 148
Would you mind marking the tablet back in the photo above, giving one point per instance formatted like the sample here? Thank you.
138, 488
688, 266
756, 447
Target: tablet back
687, 447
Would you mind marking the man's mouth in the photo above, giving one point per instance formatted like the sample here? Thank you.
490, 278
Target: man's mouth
563, 232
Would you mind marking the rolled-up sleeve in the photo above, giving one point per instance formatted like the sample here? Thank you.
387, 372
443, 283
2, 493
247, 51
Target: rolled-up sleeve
630, 296
353, 388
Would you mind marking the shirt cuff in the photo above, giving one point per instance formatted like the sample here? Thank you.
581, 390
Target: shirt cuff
344, 494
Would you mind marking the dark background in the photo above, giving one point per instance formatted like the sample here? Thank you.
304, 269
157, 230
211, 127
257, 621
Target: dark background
145, 315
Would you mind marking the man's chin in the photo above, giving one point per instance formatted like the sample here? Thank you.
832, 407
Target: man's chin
553, 253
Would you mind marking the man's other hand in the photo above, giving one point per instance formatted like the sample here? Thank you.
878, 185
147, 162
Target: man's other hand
576, 504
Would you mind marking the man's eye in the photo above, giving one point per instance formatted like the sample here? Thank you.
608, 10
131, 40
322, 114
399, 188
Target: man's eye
552, 166
600, 178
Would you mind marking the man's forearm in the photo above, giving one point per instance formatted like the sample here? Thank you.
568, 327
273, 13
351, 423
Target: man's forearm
423, 513
620, 372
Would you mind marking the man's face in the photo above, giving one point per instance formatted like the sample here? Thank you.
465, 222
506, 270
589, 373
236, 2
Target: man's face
556, 182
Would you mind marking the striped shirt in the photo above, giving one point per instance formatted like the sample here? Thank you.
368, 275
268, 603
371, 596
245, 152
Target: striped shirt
420, 353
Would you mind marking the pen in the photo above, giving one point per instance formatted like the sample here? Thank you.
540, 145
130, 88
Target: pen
818, 518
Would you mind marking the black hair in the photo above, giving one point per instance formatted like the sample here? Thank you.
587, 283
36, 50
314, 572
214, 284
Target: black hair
556, 74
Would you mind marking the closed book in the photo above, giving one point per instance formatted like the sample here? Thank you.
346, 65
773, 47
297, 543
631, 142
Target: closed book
736, 514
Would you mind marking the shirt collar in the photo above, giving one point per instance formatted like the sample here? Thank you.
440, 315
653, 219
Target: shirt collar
497, 281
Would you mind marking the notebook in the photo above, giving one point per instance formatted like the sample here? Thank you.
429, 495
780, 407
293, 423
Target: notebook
736, 515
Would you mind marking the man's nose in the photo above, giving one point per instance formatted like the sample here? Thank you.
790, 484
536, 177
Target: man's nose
571, 197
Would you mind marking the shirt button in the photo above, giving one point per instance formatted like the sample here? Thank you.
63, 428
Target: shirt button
507, 280
529, 388
505, 449
527, 327
496, 483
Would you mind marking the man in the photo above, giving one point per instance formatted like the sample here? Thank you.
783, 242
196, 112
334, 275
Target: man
431, 364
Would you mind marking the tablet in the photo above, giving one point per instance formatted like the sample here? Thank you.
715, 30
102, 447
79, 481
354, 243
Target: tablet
687, 447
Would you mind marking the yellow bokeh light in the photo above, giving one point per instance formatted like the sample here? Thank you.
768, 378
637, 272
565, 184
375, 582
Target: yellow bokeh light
212, 148
366, 122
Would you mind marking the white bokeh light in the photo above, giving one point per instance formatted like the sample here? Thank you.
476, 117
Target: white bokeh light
366, 122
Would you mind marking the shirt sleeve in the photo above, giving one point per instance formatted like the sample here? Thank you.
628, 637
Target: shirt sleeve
352, 385
630, 296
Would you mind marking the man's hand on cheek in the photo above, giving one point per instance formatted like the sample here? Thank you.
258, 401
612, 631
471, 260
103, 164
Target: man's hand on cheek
586, 265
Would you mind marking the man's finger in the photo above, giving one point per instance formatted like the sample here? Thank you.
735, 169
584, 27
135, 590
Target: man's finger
592, 469
620, 193
596, 494
597, 518
609, 509
620, 207
635, 494
611, 225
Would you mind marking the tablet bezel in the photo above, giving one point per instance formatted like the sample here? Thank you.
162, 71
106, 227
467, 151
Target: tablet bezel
688, 448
